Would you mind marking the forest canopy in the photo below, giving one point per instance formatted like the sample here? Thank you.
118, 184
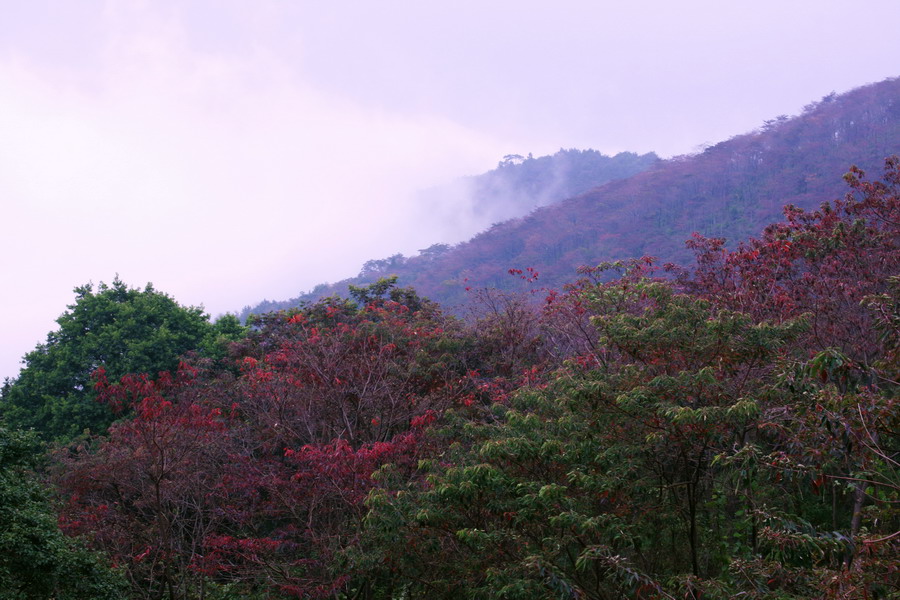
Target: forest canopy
719, 431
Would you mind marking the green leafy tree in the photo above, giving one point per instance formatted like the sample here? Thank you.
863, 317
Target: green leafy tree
690, 450
603, 482
122, 329
36, 560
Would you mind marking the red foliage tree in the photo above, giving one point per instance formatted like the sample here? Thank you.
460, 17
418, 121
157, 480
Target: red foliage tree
822, 264
337, 372
152, 492
260, 479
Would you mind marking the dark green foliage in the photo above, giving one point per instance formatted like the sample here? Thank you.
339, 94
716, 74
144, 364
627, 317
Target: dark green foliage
36, 560
602, 483
122, 329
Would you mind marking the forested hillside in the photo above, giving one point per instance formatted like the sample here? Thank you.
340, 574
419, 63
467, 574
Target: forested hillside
723, 428
731, 190
729, 431
516, 187
521, 184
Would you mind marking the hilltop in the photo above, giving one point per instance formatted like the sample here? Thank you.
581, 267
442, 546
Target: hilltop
731, 190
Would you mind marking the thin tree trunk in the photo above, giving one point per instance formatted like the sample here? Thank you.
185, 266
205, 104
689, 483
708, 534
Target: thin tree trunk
859, 498
692, 533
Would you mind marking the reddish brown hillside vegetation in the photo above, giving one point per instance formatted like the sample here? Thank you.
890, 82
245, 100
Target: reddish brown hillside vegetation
731, 190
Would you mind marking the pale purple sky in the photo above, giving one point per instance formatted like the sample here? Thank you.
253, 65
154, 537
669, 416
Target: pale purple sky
234, 151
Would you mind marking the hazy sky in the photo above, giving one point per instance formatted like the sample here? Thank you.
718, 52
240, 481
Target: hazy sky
234, 151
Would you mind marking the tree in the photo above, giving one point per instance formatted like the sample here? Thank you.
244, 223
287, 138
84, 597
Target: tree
36, 560
822, 263
257, 479
124, 330
152, 491
603, 482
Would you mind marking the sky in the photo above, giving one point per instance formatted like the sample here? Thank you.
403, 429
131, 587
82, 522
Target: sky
233, 151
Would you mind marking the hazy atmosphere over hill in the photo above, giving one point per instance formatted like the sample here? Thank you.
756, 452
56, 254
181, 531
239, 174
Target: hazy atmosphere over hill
231, 151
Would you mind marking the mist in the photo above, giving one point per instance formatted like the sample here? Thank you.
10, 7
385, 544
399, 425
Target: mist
229, 152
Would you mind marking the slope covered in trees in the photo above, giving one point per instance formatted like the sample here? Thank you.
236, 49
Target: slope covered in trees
516, 187
520, 184
731, 190
728, 430
723, 429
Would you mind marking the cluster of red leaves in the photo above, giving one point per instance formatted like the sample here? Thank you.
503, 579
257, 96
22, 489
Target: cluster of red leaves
821, 264
261, 476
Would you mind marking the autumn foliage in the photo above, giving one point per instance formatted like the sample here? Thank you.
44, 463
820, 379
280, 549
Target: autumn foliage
728, 430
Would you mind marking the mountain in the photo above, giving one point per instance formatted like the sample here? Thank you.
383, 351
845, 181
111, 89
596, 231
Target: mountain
521, 184
732, 189
517, 186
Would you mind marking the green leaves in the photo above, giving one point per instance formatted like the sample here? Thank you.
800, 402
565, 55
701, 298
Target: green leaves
36, 560
611, 478
124, 330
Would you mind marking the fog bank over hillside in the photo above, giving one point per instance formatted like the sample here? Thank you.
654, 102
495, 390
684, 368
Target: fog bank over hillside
519, 184
730, 190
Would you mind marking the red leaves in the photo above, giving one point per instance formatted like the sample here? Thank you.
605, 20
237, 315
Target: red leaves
821, 263
262, 474
362, 378
99, 377
424, 420
817, 484
142, 555
529, 275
